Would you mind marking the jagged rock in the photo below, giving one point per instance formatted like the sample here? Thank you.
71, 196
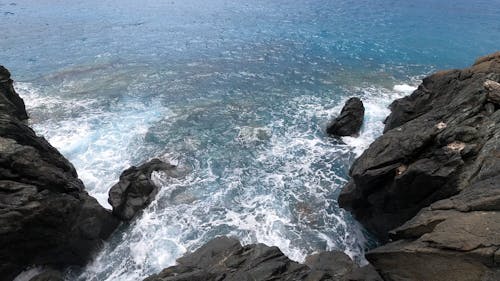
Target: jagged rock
136, 189
493, 91
431, 183
457, 237
10, 102
226, 259
350, 120
46, 217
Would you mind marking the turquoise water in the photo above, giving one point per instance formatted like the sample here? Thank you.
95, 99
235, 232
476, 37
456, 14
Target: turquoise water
238, 94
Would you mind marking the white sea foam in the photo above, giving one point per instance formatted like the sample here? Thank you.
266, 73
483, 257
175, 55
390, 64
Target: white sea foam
404, 88
283, 197
99, 143
376, 102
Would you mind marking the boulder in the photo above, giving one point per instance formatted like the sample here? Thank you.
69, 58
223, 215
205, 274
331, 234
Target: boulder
350, 120
492, 91
224, 258
135, 189
46, 217
429, 186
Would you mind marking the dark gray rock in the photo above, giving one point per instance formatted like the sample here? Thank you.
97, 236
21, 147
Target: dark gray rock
431, 140
364, 273
350, 120
429, 186
10, 102
46, 217
489, 108
226, 259
329, 265
136, 189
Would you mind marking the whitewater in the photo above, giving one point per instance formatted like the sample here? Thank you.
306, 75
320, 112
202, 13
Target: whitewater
237, 94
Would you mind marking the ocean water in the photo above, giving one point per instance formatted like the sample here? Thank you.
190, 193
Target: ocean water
238, 95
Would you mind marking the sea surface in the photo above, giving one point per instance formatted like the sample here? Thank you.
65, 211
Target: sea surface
238, 95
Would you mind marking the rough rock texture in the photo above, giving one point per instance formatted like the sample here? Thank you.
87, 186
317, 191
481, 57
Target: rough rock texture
46, 217
224, 258
136, 189
10, 102
350, 120
492, 91
433, 178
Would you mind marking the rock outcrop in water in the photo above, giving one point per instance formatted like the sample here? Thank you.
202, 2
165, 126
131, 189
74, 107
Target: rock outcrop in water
136, 189
226, 259
350, 120
46, 217
431, 183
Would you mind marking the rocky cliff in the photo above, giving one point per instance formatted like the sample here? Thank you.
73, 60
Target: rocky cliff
430, 185
46, 217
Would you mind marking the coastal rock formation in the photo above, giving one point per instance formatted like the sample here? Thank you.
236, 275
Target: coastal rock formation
10, 102
136, 189
350, 120
431, 183
226, 259
492, 91
46, 217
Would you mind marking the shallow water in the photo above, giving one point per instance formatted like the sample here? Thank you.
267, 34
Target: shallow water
238, 94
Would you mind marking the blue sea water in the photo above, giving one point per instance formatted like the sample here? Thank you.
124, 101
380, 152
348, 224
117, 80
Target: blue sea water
238, 94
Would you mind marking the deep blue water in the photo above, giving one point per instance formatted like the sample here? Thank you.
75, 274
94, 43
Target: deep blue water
238, 94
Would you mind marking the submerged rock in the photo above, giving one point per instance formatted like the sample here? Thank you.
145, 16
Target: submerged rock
46, 217
226, 259
136, 189
431, 183
350, 120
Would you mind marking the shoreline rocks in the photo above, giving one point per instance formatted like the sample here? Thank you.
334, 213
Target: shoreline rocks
429, 186
10, 102
224, 258
350, 120
46, 217
135, 189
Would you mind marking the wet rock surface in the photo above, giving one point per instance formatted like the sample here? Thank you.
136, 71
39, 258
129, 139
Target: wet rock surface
136, 189
430, 185
225, 258
350, 120
46, 217
10, 102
